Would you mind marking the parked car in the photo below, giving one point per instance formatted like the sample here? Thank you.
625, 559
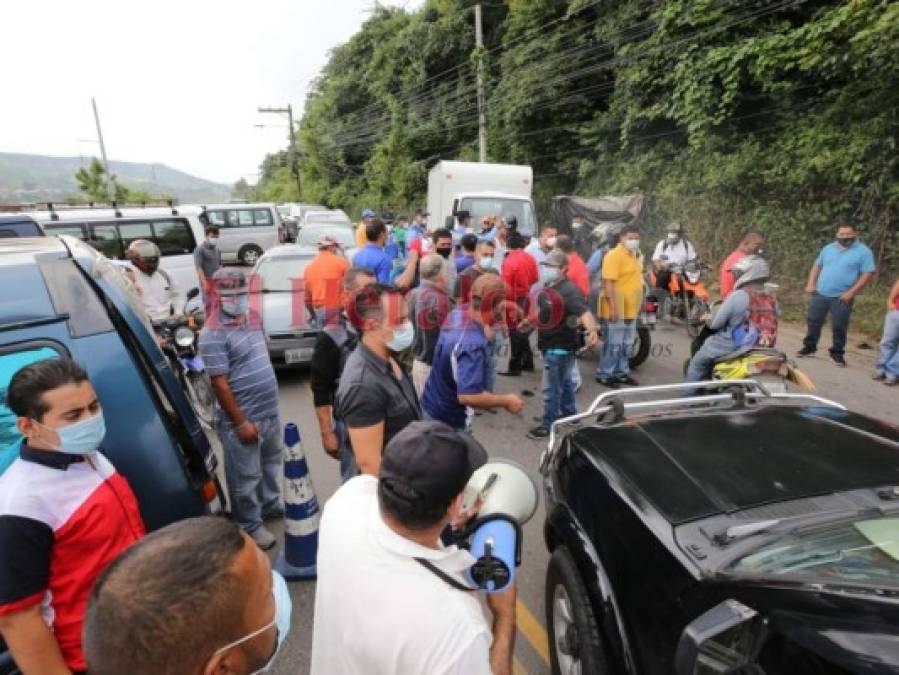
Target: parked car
755, 533
343, 233
291, 216
59, 296
175, 230
18, 225
325, 216
246, 230
290, 329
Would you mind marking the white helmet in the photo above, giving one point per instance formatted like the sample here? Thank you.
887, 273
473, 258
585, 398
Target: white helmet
752, 268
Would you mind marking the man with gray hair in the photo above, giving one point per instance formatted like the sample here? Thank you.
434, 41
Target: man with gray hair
429, 305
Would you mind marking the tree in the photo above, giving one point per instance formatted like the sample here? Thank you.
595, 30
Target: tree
241, 190
94, 182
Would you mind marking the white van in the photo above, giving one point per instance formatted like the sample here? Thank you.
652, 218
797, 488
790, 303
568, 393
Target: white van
245, 230
175, 230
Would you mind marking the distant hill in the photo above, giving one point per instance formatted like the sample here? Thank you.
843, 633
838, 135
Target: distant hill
36, 178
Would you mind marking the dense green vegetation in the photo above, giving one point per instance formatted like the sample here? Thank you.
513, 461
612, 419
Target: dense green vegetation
779, 114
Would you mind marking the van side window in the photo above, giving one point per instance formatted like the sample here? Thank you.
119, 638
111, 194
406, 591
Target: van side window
244, 218
12, 362
132, 231
217, 218
105, 239
173, 236
76, 231
262, 217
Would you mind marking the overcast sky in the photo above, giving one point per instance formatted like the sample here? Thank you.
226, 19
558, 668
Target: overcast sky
176, 82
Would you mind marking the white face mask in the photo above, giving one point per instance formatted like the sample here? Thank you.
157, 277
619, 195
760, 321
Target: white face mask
212, 241
633, 245
551, 242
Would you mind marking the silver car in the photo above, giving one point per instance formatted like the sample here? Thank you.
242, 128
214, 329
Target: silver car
290, 329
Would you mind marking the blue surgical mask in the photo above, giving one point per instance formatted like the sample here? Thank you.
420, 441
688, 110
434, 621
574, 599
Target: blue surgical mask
236, 305
486, 261
402, 337
283, 607
82, 437
548, 274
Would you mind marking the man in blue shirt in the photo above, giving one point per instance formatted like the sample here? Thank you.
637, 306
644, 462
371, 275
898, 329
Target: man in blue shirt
458, 378
841, 271
372, 255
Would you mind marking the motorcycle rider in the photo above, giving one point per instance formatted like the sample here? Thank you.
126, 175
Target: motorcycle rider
154, 286
751, 274
672, 251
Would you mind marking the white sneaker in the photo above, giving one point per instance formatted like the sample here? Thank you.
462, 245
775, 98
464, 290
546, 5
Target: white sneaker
263, 538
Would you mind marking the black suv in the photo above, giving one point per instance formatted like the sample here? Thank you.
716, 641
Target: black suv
738, 532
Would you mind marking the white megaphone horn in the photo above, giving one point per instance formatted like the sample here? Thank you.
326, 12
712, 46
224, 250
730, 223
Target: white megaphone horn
508, 500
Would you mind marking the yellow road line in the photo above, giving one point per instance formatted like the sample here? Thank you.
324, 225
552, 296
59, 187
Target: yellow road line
533, 632
517, 668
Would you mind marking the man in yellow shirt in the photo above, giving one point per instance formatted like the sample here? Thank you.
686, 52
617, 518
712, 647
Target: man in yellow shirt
367, 217
622, 295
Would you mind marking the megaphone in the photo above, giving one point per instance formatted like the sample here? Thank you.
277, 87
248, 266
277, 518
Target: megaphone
509, 499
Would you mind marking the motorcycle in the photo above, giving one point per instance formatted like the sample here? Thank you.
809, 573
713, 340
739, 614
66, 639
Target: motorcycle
769, 367
178, 337
687, 298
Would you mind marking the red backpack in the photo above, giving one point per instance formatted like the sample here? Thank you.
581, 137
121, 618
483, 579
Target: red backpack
763, 316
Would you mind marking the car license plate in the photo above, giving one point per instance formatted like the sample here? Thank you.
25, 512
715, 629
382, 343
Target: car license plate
300, 355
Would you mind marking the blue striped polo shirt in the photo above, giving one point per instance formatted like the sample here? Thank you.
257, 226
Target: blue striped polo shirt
237, 349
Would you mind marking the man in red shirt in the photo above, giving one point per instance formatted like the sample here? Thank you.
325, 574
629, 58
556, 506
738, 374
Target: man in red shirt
519, 273
751, 243
577, 268
65, 513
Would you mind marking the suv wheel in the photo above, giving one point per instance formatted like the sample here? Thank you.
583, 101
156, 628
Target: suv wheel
249, 254
575, 646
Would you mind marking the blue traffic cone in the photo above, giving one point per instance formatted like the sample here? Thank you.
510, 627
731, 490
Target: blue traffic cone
296, 559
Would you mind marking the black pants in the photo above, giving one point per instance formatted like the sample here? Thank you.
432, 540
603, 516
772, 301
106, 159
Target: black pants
818, 308
663, 278
520, 355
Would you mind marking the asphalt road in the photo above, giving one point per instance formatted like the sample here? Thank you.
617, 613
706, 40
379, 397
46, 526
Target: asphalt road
504, 436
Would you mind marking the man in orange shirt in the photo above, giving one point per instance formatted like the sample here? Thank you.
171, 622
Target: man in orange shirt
577, 268
323, 279
750, 244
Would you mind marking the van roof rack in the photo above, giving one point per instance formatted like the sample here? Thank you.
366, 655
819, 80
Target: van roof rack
611, 407
114, 205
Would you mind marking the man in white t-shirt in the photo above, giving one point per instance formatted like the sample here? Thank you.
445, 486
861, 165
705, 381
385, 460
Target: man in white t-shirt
672, 251
387, 598
155, 288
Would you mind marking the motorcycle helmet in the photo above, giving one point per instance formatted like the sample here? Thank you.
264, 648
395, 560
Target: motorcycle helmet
751, 269
144, 255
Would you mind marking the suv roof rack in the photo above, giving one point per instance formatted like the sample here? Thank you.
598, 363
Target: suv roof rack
615, 404
114, 205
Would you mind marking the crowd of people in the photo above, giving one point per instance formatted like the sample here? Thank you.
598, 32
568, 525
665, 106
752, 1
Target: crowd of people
407, 356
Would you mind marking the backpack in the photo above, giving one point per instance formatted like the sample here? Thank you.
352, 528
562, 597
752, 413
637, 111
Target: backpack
344, 337
760, 328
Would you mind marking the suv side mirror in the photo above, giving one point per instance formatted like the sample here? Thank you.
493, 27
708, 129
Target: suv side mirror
725, 639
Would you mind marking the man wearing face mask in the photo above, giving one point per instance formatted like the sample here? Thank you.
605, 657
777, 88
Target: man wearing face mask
441, 243
194, 598
429, 305
65, 513
387, 597
483, 263
543, 244
208, 258
674, 250
841, 270
154, 286
233, 348
620, 305
461, 358
376, 397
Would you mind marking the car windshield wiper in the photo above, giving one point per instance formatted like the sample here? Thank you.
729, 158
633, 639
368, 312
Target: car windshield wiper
735, 532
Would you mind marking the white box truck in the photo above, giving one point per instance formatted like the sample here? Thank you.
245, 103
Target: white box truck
482, 190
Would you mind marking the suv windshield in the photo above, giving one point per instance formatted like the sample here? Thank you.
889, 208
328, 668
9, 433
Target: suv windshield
283, 274
863, 551
522, 209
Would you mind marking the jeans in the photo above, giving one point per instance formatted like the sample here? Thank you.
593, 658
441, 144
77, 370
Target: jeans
701, 364
818, 307
558, 394
617, 341
888, 363
252, 470
348, 467
576, 380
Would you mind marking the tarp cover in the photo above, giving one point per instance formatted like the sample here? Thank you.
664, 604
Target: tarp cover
604, 215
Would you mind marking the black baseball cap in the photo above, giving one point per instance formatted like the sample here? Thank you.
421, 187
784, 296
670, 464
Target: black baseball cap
433, 462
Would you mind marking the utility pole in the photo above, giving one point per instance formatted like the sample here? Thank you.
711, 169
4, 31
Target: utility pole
293, 155
482, 113
110, 181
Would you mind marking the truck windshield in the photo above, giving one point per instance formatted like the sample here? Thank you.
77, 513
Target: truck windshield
522, 209
863, 551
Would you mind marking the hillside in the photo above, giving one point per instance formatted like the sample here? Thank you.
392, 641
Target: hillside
32, 178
